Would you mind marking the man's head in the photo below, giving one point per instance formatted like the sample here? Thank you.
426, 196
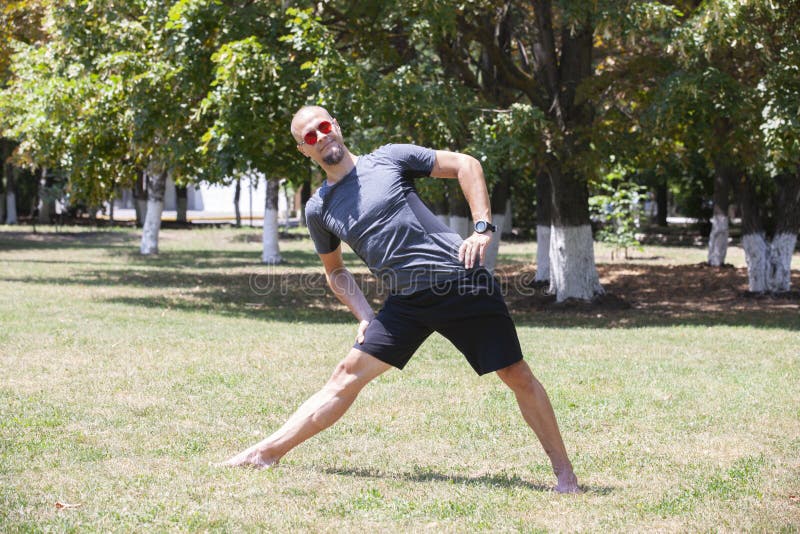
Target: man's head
318, 135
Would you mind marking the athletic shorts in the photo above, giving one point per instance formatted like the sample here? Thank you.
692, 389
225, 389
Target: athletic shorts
469, 311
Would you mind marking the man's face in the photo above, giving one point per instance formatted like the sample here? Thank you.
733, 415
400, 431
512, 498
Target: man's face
329, 148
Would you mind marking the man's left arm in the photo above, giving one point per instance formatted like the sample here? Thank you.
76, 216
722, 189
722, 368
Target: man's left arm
469, 172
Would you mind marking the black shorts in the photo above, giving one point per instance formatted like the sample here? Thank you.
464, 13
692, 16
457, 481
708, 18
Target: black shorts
469, 311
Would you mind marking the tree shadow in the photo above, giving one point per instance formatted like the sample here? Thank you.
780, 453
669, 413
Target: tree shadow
430, 475
226, 259
235, 283
269, 293
17, 240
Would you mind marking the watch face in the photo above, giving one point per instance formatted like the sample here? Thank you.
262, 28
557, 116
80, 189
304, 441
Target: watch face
481, 226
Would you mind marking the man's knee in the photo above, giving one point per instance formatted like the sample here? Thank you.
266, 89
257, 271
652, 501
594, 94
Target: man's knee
518, 376
354, 372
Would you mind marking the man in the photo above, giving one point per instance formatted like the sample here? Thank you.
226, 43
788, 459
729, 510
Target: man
434, 277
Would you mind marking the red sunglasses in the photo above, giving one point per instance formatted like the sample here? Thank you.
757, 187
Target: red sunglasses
310, 138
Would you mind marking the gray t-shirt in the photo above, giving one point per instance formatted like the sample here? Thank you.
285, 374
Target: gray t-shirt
376, 210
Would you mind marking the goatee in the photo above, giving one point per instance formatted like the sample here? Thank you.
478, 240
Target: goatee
335, 155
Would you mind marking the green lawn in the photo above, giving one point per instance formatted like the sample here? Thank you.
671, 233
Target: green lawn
123, 378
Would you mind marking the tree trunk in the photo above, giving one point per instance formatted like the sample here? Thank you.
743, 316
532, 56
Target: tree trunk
459, 220
305, 195
718, 239
508, 220
156, 176
140, 198
754, 239
237, 195
271, 253
181, 203
498, 204
573, 272
2, 182
12, 173
787, 226
662, 206
543, 223
47, 204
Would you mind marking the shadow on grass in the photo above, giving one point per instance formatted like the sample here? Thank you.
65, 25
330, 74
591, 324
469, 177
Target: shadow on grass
234, 283
66, 240
429, 475
269, 293
216, 259
272, 293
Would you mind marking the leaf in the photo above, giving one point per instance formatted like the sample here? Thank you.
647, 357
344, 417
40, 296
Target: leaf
65, 506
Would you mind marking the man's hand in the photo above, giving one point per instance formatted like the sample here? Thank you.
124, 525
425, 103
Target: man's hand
474, 247
362, 327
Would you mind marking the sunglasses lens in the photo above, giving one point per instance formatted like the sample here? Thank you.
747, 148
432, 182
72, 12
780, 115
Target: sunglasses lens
324, 127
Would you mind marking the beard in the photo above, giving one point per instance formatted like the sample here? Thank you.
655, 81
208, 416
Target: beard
335, 155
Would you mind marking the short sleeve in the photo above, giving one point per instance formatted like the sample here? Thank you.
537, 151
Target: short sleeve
324, 241
414, 161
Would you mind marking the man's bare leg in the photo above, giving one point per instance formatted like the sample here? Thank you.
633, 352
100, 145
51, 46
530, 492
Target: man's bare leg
538, 413
319, 412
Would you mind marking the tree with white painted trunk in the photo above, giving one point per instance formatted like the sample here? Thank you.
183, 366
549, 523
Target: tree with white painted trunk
787, 226
11, 196
249, 111
724, 175
769, 260
8, 203
271, 252
156, 177
543, 223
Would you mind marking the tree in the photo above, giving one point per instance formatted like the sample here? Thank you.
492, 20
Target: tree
256, 88
499, 141
772, 31
20, 22
506, 52
737, 62
713, 99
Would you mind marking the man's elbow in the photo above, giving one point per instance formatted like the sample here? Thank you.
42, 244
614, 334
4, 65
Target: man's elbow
470, 166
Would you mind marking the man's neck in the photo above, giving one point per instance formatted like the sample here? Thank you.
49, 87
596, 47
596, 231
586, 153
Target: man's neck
334, 173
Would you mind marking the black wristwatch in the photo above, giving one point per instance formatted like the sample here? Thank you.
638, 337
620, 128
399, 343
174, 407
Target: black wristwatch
484, 226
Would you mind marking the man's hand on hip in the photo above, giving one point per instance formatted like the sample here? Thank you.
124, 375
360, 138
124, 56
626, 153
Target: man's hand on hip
362, 327
474, 248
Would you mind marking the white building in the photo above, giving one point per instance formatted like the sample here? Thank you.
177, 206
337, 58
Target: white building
214, 203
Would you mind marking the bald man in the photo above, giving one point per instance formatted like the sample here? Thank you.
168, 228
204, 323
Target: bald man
435, 280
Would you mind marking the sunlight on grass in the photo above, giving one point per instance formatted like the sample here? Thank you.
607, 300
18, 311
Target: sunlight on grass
124, 378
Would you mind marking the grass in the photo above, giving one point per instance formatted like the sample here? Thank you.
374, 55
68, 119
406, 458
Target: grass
122, 378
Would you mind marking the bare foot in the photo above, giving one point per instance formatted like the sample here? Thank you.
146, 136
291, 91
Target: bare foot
251, 458
567, 483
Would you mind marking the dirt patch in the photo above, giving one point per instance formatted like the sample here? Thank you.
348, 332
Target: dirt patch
673, 290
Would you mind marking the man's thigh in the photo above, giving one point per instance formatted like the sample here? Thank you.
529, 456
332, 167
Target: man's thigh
393, 336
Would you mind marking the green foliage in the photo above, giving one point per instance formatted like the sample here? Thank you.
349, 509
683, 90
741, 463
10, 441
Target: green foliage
508, 141
617, 208
206, 87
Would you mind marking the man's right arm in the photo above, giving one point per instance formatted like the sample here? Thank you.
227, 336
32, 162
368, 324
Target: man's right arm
346, 289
